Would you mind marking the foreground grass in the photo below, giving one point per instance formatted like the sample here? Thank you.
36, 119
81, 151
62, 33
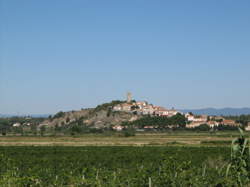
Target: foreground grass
114, 166
164, 165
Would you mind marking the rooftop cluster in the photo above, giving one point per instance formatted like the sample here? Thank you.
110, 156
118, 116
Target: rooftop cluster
143, 108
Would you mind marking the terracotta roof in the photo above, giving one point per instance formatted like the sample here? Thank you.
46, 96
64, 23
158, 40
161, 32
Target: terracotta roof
228, 121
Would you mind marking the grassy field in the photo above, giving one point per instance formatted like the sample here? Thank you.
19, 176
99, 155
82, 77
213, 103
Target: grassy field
178, 138
158, 159
113, 166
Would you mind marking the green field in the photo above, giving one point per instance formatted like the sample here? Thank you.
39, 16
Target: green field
147, 159
114, 166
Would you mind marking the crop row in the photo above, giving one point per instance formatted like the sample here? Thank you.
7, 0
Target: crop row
114, 166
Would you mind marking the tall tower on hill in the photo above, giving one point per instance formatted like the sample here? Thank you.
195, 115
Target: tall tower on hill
129, 97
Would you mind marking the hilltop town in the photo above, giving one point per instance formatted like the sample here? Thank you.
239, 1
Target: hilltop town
143, 108
192, 121
120, 115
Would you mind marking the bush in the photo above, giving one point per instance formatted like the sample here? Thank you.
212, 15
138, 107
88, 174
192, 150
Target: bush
129, 132
59, 115
202, 127
106, 106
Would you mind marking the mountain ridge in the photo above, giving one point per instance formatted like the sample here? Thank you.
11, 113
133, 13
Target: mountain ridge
227, 111
209, 111
25, 115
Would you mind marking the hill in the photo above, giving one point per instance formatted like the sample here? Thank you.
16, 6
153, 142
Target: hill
100, 117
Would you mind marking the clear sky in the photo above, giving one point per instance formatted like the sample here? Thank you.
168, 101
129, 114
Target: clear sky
66, 55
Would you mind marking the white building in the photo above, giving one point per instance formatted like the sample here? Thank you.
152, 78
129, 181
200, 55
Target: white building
141, 104
247, 128
117, 108
172, 112
16, 125
117, 127
148, 110
126, 107
122, 107
212, 124
189, 117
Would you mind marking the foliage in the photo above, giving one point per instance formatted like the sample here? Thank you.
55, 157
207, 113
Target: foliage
42, 130
78, 129
243, 119
202, 127
59, 115
126, 166
128, 132
134, 107
112, 166
160, 122
225, 127
6, 124
205, 127
106, 106
216, 142
239, 166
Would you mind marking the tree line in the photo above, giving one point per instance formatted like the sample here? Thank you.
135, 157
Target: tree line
160, 122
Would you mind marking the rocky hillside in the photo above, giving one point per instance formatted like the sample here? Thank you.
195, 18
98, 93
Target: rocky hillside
100, 117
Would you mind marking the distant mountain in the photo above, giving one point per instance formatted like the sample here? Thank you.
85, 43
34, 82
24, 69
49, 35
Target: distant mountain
208, 111
24, 115
218, 112
6, 115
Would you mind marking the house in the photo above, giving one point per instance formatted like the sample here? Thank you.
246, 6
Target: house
148, 110
141, 104
27, 124
212, 123
117, 108
117, 127
219, 118
122, 107
172, 112
247, 128
16, 125
195, 124
230, 122
160, 111
190, 117
126, 107
202, 118
148, 127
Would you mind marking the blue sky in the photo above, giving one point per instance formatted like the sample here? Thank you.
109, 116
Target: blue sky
66, 55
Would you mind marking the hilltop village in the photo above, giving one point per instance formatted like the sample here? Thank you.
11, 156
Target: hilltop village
121, 115
143, 108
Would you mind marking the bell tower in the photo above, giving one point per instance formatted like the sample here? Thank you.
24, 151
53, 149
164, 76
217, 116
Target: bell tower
129, 97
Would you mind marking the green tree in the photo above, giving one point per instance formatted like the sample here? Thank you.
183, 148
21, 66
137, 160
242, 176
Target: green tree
4, 127
34, 129
59, 115
67, 119
42, 130
202, 127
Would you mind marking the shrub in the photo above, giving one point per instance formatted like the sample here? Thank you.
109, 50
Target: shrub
129, 132
59, 115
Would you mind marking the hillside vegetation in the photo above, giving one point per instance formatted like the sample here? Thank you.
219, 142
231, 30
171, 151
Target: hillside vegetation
100, 117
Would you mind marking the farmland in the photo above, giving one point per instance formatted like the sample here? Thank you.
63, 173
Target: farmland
183, 138
180, 159
112, 166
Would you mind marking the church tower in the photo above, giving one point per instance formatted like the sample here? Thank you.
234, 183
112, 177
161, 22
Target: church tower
129, 97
